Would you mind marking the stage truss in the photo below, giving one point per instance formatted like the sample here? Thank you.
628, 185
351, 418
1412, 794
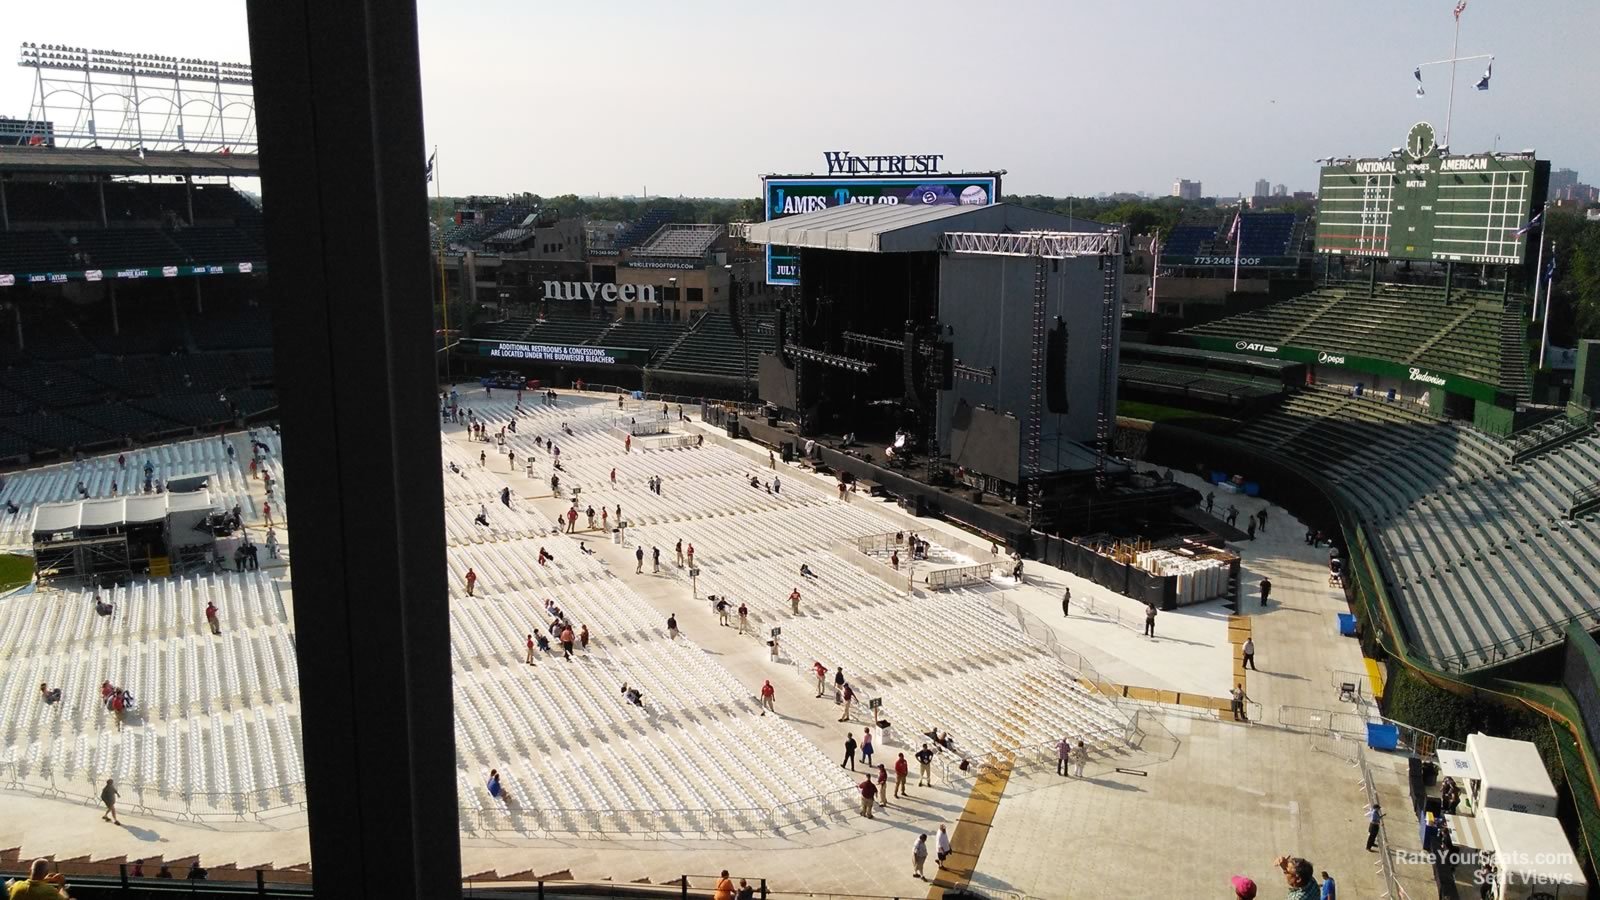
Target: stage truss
1041, 246
118, 100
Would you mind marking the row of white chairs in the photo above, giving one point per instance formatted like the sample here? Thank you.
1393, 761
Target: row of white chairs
514, 565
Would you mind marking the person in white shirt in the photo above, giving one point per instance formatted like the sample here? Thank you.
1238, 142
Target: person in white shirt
919, 855
944, 845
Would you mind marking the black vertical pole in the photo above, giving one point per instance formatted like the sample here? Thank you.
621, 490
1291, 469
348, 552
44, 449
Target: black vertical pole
339, 106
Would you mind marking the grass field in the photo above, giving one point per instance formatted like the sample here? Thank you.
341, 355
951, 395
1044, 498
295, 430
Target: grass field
15, 571
1155, 412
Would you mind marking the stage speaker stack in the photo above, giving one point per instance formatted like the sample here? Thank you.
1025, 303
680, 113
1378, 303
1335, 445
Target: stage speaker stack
733, 427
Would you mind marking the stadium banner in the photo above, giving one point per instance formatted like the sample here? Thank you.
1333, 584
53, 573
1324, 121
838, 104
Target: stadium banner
9, 279
575, 354
1425, 378
789, 196
1245, 262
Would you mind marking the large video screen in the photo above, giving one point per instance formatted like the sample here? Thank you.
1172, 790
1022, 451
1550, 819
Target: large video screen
793, 196
1422, 205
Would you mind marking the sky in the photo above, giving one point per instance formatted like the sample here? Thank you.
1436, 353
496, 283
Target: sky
700, 98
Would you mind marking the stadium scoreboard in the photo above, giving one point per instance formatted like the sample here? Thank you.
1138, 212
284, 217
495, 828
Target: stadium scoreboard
1421, 204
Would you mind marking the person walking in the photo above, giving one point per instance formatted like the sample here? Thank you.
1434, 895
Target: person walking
1250, 528
566, 642
211, 618
722, 611
108, 796
1249, 651
495, 790
849, 751
883, 786
655, 560
672, 626
901, 770
1080, 756
866, 745
472, 581
943, 845
678, 548
794, 601
768, 693
1063, 755
1066, 603
1233, 515
638, 560
868, 792
1374, 820
838, 685
1237, 700
744, 617
822, 674
1266, 590
925, 767
919, 855
530, 649
583, 638
1262, 516
1329, 891
1211, 499
849, 698
1150, 620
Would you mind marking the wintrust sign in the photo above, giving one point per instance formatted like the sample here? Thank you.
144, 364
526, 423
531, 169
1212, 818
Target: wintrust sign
1426, 376
589, 291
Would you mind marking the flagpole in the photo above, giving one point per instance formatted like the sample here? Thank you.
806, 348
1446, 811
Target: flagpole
1538, 272
1549, 286
444, 296
1455, 50
1238, 241
1155, 266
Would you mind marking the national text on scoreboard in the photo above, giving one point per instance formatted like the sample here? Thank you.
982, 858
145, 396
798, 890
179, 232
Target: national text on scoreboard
793, 195
1420, 204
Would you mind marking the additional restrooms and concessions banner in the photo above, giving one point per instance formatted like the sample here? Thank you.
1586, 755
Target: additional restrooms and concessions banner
793, 196
572, 354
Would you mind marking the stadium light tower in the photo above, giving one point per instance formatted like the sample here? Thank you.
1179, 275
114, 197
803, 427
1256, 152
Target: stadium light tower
117, 99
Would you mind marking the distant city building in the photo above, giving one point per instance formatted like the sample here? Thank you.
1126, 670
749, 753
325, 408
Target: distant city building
1184, 189
1263, 187
1562, 178
1280, 190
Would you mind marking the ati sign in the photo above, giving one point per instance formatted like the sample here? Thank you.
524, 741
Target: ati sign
843, 162
1253, 347
589, 292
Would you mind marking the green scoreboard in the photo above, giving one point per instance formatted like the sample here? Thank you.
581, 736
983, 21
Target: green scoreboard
1422, 204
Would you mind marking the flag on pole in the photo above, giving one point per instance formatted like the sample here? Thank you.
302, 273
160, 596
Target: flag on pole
1417, 74
1483, 83
1460, 8
1550, 270
1535, 222
1233, 230
429, 170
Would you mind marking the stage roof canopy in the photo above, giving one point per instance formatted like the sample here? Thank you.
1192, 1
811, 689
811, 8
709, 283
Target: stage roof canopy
64, 161
880, 228
110, 512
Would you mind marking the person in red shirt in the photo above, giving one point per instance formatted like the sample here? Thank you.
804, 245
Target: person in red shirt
794, 605
767, 695
472, 580
266, 510
868, 792
613, 476
530, 649
901, 770
572, 520
822, 673
690, 553
211, 618
627, 444
583, 637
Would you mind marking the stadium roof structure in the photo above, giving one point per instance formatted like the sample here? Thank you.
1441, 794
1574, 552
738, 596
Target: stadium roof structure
64, 161
882, 228
112, 511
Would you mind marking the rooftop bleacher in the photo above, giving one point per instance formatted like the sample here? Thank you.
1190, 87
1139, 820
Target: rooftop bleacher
1188, 239
681, 241
1481, 555
1409, 324
642, 228
1266, 234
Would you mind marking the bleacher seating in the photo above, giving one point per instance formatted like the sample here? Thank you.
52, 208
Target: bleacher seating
1188, 239
1266, 234
712, 347
1198, 382
644, 227
1480, 554
681, 241
1405, 323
